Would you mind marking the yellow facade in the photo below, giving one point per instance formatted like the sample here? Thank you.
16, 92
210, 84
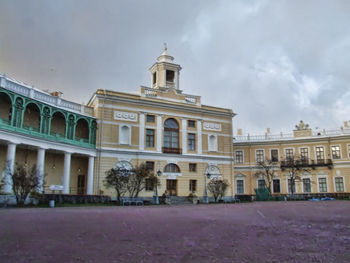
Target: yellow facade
327, 154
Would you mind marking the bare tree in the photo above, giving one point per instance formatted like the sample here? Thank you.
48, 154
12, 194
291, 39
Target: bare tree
117, 179
295, 167
266, 169
218, 188
137, 179
24, 181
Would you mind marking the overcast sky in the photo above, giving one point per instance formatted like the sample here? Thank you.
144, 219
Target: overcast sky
272, 62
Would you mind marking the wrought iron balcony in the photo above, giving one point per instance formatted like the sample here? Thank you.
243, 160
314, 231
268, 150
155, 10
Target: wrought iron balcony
306, 163
172, 150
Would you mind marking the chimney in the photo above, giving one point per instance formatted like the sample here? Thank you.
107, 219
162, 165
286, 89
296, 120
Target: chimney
57, 94
268, 131
239, 132
345, 124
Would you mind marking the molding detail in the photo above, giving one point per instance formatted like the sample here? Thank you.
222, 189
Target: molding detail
125, 116
211, 126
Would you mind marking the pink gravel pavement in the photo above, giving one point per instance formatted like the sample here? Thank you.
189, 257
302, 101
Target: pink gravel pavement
250, 232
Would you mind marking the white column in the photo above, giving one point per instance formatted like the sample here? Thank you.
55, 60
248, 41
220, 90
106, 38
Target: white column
90, 179
199, 135
66, 173
142, 132
184, 136
159, 132
177, 78
40, 169
10, 162
164, 76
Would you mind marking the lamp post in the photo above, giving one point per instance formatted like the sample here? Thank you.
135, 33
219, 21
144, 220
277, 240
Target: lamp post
159, 173
206, 198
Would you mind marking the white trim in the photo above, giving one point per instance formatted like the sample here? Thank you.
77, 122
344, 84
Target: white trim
324, 152
256, 159
129, 135
308, 151
288, 148
170, 113
235, 186
340, 151
344, 184
234, 157
278, 153
318, 183
306, 176
348, 153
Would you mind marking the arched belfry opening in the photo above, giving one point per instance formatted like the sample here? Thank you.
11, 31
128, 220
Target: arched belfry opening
31, 118
165, 73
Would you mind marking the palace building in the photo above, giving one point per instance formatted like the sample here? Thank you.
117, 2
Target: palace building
325, 155
172, 132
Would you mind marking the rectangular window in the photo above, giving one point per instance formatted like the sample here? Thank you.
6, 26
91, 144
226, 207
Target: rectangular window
335, 152
149, 185
289, 155
191, 123
339, 184
154, 77
191, 141
239, 156
276, 186
304, 155
240, 186
306, 185
291, 186
259, 155
193, 185
322, 183
320, 154
149, 138
348, 151
150, 166
192, 167
261, 183
274, 155
150, 118
170, 75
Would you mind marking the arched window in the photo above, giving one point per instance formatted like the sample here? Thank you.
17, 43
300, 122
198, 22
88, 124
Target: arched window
124, 135
6, 107
82, 129
171, 168
212, 144
31, 119
58, 124
171, 134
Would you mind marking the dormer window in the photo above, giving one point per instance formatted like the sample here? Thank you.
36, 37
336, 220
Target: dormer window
170, 75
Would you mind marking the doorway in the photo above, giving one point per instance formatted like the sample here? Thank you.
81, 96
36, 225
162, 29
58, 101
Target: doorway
171, 186
81, 184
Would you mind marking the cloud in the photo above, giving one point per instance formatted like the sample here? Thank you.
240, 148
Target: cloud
272, 62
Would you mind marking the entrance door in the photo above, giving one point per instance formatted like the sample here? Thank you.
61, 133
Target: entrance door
81, 184
171, 186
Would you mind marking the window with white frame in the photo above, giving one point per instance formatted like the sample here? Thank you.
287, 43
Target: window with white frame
291, 186
124, 136
322, 185
276, 186
335, 150
339, 184
240, 186
191, 142
149, 137
320, 154
259, 155
212, 144
304, 154
238, 156
274, 155
306, 185
289, 154
261, 183
349, 151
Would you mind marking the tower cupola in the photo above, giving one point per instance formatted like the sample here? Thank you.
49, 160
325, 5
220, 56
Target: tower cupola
165, 73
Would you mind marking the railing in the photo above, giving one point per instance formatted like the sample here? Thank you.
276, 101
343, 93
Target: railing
33, 93
28, 130
172, 150
306, 163
288, 136
153, 92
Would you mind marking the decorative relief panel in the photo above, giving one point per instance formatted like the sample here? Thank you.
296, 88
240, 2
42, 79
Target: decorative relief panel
125, 116
211, 126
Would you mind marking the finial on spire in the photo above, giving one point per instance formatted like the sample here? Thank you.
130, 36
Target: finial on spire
165, 47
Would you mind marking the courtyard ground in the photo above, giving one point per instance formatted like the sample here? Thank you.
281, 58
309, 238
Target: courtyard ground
248, 232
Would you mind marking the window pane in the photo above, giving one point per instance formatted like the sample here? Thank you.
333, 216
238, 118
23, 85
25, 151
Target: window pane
306, 185
240, 186
339, 184
322, 185
276, 186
